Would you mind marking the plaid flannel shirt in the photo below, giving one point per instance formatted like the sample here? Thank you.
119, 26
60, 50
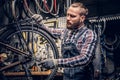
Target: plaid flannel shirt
86, 46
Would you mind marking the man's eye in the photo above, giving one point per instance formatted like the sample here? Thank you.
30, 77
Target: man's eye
72, 16
68, 15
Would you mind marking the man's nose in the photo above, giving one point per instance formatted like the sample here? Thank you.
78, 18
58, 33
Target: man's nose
68, 17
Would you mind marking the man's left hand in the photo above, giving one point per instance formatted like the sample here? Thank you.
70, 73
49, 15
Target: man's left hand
49, 63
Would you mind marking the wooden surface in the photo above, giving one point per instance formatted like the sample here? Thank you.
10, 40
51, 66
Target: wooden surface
33, 73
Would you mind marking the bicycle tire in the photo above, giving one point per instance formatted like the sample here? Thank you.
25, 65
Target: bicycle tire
9, 33
14, 11
44, 6
18, 11
8, 10
30, 6
56, 8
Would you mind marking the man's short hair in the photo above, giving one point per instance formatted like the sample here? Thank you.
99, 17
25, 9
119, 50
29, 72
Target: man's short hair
83, 8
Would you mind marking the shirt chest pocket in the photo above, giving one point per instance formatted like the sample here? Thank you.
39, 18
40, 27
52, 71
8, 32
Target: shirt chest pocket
69, 50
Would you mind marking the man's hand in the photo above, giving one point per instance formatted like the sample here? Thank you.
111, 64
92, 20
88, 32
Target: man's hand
37, 17
49, 63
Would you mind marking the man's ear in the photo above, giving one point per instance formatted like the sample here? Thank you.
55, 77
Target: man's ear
83, 18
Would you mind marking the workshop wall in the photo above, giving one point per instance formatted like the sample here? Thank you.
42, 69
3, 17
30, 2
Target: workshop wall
103, 18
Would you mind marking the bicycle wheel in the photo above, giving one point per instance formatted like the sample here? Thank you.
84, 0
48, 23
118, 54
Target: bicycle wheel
35, 41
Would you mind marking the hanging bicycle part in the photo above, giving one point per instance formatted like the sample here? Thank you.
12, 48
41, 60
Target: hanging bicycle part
31, 7
111, 41
18, 10
48, 6
8, 10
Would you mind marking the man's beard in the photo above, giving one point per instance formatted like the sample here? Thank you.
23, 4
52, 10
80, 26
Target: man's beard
74, 26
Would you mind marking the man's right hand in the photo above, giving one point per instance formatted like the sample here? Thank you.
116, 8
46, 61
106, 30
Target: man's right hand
37, 17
